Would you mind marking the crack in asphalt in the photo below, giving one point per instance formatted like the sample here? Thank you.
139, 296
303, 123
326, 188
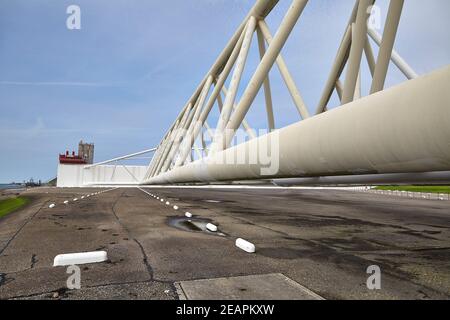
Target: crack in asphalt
33, 261
145, 259
21, 228
141, 247
144, 255
87, 287
32, 264
4, 280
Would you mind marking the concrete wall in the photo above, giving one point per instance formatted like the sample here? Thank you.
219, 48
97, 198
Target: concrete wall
78, 176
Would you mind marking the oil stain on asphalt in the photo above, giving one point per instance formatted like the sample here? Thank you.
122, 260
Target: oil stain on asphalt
192, 225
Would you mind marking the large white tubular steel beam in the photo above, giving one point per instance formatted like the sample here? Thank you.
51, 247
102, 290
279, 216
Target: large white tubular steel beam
439, 177
191, 122
245, 124
370, 57
167, 146
387, 45
128, 156
194, 131
359, 38
339, 62
186, 121
383, 133
159, 154
287, 77
234, 85
260, 10
336, 70
221, 70
396, 58
263, 69
267, 90
167, 140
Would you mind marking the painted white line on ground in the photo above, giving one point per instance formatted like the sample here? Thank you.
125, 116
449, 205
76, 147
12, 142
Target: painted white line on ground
162, 200
245, 245
79, 258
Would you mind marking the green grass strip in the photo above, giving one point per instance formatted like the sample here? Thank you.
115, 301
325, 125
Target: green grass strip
426, 189
11, 205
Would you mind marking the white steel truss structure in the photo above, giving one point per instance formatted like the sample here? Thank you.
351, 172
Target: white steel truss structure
400, 130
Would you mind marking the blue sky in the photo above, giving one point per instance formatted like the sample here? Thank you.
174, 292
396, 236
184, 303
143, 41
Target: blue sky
121, 80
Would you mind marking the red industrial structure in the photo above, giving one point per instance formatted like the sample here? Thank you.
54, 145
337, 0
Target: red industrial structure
85, 155
71, 159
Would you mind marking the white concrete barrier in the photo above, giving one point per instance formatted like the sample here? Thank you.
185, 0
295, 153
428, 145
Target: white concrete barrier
211, 227
79, 258
245, 245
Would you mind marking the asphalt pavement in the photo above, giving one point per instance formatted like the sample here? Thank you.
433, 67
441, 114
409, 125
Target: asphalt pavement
323, 240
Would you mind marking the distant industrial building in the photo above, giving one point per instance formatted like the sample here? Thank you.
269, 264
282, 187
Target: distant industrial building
86, 151
79, 170
85, 155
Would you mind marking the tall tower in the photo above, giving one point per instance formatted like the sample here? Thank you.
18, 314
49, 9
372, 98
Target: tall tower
86, 151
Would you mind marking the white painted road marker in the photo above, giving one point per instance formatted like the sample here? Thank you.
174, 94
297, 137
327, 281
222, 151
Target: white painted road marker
245, 245
79, 258
211, 227
188, 214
